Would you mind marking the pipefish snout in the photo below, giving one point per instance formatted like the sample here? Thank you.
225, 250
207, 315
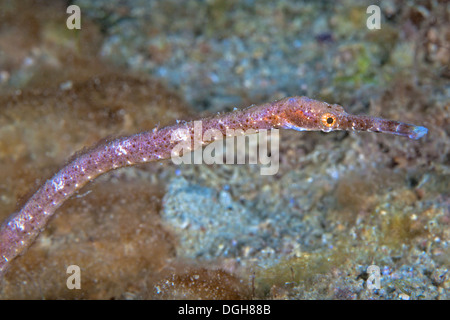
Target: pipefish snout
21, 228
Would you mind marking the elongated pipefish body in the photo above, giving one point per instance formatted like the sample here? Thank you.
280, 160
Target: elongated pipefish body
20, 230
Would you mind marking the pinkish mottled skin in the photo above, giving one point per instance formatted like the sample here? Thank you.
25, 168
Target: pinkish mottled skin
21, 229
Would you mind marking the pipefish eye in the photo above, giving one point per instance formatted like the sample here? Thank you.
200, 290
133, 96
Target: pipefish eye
329, 120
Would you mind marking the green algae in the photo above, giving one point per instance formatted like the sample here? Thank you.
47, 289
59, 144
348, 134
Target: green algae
358, 70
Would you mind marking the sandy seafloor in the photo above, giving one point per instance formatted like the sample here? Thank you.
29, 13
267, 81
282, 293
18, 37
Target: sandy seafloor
339, 202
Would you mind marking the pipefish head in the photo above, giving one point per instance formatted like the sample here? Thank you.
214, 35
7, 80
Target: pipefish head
305, 114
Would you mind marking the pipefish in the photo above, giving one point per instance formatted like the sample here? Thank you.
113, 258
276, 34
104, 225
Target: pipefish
21, 228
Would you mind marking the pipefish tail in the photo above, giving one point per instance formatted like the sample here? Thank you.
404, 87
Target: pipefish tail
20, 230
